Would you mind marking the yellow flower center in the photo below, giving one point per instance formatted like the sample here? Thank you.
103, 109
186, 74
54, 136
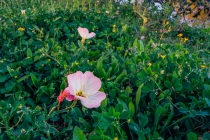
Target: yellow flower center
81, 94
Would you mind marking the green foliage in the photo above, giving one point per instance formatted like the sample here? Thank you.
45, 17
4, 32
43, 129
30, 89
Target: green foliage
157, 86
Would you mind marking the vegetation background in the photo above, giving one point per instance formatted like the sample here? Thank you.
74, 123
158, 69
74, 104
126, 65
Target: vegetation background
154, 69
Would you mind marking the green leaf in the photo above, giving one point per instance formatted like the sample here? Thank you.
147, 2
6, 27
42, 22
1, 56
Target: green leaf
143, 121
34, 79
78, 134
4, 77
131, 108
135, 128
159, 113
191, 136
207, 87
125, 107
23, 78
178, 86
10, 71
138, 97
120, 77
169, 117
141, 46
29, 53
206, 136
100, 68
206, 94
125, 115
145, 89
168, 84
24, 137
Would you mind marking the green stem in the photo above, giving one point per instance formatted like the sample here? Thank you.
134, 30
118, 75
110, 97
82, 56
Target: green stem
7, 128
72, 105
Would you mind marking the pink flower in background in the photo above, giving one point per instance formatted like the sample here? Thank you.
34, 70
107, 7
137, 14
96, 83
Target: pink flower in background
84, 33
84, 87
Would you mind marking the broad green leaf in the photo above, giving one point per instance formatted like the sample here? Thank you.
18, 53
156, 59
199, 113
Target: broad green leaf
78, 134
207, 87
178, 86
125, 107
125, 115
29, 53
138, 97
192, 136
143, 121
168, 84
206, 136
206, 94
145, 89
4, 77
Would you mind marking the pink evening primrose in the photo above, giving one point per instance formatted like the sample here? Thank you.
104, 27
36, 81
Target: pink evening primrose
84, 33
84, 87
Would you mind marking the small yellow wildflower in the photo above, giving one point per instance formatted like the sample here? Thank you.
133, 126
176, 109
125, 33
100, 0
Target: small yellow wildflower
129, 120
162, 56
76, 63
98, 12
149, 64
162, 72
186, 52
21, 29
180, 35
169, 29
114, 26
185, 39
116, 138
203, 66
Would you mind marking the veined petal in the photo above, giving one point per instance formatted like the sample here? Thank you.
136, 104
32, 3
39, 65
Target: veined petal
83, 32
93, 101
75, 82
90, 35
90, 83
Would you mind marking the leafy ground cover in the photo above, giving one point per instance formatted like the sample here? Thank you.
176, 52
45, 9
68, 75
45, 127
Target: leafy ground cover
154, 71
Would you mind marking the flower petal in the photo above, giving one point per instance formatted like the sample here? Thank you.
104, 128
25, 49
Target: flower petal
83, 32
68, 95
90, 35
75, 82
90, 83
93, 101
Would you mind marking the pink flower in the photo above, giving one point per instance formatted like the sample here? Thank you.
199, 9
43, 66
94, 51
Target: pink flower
84, 87
84, 33
65, 94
